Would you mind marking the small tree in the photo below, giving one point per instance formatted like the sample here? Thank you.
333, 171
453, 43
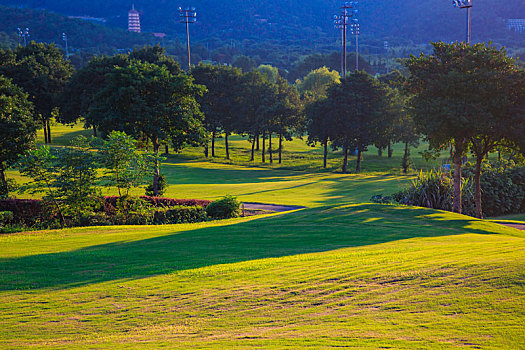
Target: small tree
124, 166
41, 166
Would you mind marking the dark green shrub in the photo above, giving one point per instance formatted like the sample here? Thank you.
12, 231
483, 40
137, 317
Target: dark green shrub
225, 208
432, 190
179, 215
6, 218
379, 199
163, 185
502, 189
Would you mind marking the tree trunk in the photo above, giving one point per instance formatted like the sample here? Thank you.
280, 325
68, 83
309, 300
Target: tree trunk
5, 189
257, 149
380, 152
325, 158
156, 171
206, 150
253, 149
280, 148
48, 131
94, 131
457, 175
345, 160
358, 163
263, 147
167, 149
270, 147
45, 130
477, 188
390, 150
213, 143
226, 144
405, 158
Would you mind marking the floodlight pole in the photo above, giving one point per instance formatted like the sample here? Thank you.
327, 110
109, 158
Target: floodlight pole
23, 33
387, 63
64, 37
341, 22
187, 16
465, 4
356, 30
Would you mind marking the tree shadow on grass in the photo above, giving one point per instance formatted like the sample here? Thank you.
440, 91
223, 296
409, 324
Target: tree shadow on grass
305, 231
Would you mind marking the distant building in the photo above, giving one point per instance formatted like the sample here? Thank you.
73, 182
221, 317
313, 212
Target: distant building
133, 20
89, 18
516, 24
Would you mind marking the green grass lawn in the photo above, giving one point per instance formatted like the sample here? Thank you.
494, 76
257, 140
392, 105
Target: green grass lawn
339, 274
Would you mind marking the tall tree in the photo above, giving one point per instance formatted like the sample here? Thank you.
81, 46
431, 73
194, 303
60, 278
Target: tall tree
145, 100
219, 102
41, 70
80, 91
17, 128
463, 95
357, 109
318, 124
287, 110
255, 97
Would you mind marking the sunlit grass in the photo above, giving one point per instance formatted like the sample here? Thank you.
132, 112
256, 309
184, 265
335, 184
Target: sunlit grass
338, 274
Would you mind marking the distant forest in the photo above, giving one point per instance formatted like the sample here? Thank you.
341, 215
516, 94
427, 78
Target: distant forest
281, 33
307, 22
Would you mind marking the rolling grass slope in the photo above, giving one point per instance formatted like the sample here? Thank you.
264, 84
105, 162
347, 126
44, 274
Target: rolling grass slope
365, 276
338, 274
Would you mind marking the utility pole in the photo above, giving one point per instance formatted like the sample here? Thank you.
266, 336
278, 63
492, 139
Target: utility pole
188, 15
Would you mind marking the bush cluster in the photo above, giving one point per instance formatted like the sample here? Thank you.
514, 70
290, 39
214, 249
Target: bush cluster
225, 208
503, 191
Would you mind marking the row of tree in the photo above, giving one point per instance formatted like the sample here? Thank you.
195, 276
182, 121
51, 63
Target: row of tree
465, 96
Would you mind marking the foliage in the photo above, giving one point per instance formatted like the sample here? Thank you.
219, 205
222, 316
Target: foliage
6, 217
379, 199
179, 215
75, 182
17, 129
317, 82
227, 207
357, 113
502, 188
41, 70
269, 72
431, 190
218, 104
475, 113
163, 184
144, 99
124, 166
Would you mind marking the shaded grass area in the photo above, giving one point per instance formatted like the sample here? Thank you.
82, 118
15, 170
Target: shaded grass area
145, 251
357, 276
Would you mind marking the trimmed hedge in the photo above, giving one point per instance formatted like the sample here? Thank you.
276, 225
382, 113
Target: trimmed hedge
111, 201
132, 211
179, 215
25, 211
